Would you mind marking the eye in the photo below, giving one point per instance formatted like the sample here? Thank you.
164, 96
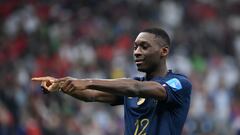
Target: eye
145, 46
142, 45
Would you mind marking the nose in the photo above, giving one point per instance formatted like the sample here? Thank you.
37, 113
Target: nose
137, 52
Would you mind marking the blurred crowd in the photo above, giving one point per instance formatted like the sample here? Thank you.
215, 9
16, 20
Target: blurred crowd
93, 39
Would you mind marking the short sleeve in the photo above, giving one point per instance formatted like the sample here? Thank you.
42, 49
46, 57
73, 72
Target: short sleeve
178, 91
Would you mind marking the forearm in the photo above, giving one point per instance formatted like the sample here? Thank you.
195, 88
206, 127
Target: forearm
128, 87
89, 95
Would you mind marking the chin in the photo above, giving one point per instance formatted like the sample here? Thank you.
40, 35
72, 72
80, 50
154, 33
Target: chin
144, 69
141, 69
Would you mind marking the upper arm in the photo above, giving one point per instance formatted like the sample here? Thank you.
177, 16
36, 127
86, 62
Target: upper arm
129, 87
151, 89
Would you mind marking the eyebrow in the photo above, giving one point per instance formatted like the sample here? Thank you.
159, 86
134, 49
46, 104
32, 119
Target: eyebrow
141, 42
162, 43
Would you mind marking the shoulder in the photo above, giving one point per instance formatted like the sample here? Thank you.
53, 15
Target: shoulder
180, 77
178, 81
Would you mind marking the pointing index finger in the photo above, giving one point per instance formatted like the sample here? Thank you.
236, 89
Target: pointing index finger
41, 79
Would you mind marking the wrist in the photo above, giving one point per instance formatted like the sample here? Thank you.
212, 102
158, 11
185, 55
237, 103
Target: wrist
89, 83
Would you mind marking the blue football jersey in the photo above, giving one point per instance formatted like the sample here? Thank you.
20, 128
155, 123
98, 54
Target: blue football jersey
149, 116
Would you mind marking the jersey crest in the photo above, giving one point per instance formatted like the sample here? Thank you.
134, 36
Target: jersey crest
175, 84
141, 101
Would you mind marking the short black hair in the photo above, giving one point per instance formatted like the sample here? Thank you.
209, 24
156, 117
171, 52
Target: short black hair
159, 32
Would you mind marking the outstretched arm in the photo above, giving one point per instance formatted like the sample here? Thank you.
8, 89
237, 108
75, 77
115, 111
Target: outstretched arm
124, 87
87, 95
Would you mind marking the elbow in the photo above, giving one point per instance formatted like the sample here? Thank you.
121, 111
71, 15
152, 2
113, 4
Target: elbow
161, 93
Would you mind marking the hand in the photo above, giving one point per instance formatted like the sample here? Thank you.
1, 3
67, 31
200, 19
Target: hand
71, 84
47, 83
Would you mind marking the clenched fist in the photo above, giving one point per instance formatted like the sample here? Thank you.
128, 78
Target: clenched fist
69, 84
47, 83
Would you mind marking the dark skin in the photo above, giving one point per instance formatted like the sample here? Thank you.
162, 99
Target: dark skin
150, 54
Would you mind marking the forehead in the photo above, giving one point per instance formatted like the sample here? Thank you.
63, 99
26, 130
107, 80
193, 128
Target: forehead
145, 37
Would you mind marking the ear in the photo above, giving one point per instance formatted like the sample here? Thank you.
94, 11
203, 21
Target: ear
164, 51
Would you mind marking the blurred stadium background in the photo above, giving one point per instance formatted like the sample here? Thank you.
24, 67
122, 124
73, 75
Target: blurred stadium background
93, 39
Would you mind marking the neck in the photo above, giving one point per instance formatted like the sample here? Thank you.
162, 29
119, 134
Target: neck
161, 71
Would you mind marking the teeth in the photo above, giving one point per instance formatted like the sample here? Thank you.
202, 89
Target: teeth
139, 62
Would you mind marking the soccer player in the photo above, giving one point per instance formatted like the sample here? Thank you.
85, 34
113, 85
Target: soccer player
156, 104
